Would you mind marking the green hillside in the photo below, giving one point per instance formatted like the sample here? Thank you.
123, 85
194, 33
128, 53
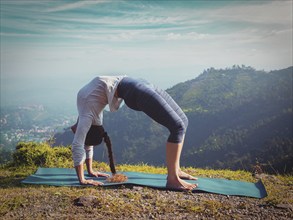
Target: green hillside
237, 117
244, 115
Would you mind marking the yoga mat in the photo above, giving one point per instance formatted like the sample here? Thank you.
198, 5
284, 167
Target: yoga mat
67, 177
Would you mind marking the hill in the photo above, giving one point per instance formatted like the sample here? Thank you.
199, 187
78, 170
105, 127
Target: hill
238, 117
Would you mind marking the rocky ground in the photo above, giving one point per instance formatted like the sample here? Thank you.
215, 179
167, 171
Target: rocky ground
18, 201
132, 203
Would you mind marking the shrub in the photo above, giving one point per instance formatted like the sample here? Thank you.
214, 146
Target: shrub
41, 154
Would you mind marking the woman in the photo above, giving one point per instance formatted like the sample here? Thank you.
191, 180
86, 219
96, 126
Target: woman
137, 95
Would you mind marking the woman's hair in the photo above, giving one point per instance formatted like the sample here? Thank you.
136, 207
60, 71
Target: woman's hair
95, 136
110, 152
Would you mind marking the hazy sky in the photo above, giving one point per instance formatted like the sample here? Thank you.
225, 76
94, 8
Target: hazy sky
52, 48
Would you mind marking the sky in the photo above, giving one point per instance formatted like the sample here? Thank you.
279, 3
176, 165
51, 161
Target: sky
50, 49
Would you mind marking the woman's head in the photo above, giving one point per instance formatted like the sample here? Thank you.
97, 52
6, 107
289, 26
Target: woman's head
95, 135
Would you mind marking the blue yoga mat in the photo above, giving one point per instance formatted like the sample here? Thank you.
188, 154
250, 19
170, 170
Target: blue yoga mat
67, 177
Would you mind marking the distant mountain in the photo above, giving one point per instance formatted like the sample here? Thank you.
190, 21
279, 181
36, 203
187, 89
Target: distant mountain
237, 117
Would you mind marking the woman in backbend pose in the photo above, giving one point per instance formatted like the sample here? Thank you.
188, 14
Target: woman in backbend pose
137, 95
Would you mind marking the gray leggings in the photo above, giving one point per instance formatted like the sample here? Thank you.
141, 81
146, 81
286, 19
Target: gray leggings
156, 103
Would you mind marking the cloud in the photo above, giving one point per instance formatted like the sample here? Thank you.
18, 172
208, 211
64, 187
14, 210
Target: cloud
87, 35
187, 36
141, 21
75, 5
262, 13
265, 13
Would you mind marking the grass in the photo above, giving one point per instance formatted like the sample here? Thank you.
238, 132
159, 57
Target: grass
15, 196
10, 176
210, 173
18, 201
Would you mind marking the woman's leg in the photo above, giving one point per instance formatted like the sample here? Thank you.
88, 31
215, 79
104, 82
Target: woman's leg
173, 152
184, 119
181, 173
159, 106
163, 109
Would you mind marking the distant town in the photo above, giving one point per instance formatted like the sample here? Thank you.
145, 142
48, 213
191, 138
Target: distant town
30, 123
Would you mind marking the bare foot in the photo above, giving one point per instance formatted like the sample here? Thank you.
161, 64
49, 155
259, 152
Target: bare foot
185, 176
98, 174
178, 184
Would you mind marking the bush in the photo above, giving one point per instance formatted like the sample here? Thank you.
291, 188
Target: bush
41, 154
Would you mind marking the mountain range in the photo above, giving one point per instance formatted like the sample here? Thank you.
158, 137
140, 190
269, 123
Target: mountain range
239, 117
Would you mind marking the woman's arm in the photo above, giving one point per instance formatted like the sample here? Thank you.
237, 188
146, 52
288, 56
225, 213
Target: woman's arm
91, 172
78, 151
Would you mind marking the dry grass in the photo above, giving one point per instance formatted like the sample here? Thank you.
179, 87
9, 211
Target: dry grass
19, 201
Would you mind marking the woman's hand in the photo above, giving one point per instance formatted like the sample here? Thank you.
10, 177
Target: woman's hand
91, 182
98, 174
83, 181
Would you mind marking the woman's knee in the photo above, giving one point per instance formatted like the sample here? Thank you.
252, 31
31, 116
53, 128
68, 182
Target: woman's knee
177, 132
185, 121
